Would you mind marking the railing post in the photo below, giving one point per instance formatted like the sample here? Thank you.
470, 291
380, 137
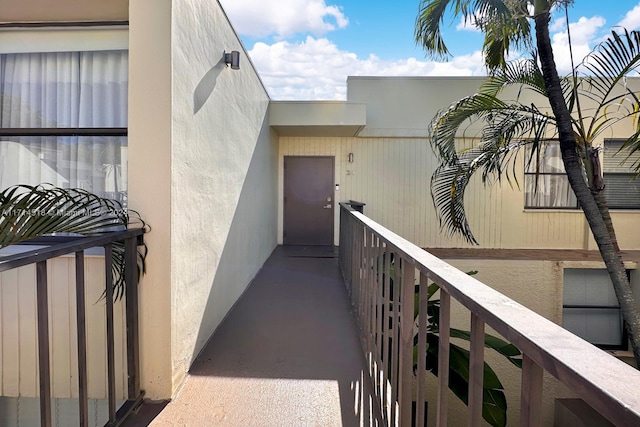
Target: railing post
422, 349
111, 373
476, 371
83, 395
354, 262
361, 275
531, 393
43, 343
386, 336
366, 294
443, 358
133, 346
405, 397
380, 318
371, 298
395, 337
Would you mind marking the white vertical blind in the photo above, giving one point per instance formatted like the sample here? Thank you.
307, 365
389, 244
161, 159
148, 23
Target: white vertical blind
546, 183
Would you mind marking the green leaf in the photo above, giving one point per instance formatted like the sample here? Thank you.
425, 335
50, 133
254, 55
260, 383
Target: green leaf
510, 351
27, 212
494, 404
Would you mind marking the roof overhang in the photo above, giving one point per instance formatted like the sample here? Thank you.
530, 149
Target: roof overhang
317, 118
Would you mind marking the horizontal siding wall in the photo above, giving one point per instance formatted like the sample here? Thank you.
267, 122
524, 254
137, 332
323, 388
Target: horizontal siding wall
392, 176
18, 331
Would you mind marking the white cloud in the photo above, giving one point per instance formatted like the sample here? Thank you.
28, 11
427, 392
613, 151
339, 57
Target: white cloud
468, 24
317, 69
283, 18
557, 25
631, 20
583, 36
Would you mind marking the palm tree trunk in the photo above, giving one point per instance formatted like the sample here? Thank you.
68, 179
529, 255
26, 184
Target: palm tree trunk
610, 256
601, 201
596, 182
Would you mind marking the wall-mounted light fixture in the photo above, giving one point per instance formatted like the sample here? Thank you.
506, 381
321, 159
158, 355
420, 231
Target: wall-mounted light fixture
350, 157
233, 59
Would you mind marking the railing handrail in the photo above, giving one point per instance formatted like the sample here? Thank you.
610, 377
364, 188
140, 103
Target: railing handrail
59, 249
613, 390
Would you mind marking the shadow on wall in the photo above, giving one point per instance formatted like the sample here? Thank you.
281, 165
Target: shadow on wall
206, 86
249, 241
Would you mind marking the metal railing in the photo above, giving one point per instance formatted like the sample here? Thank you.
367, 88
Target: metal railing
131, 239
608, 385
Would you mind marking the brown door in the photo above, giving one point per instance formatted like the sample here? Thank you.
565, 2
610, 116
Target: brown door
308, 200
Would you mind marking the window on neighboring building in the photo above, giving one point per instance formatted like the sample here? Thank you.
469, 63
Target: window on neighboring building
590, 308
546, 183
43, 92
621, 189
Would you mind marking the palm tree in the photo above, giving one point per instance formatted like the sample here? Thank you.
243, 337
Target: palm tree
505, 24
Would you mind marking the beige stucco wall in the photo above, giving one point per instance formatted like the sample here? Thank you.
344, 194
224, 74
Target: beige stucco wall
150, 127
63, 10
201, 172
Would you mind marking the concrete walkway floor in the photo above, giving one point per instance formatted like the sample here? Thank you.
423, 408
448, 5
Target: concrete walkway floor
288, 354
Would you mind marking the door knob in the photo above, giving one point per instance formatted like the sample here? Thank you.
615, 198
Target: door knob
328, 206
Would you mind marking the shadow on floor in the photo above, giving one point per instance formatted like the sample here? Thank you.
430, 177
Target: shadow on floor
145, 413
288, 353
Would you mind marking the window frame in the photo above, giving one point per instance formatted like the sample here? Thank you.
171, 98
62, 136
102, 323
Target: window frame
630, 173
624, 338
76, 36
536, 175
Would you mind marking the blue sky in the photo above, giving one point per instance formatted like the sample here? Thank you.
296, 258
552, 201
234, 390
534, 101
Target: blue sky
305, 49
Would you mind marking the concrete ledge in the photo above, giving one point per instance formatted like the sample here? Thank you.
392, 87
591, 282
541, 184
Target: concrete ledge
317, 118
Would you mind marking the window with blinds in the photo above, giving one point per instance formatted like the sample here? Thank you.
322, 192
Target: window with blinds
590, 308
545, 181
622, 190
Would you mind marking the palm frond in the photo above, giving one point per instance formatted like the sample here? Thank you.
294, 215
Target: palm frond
27, 212
605, 70
450, 180
448, 185
427, 33
523, 73
447, 124
506, 127
505, 26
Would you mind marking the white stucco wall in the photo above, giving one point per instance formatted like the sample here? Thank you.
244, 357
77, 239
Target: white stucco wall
203, 174
223, 190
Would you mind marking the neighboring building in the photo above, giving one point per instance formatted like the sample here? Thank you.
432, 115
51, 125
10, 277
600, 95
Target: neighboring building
221, 173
